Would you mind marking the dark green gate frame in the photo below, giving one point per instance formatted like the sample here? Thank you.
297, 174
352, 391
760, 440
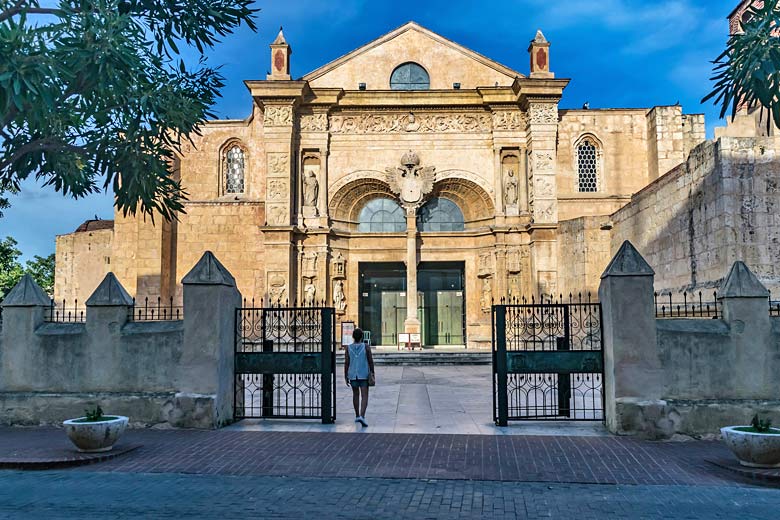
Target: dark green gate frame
285, 364
548, 362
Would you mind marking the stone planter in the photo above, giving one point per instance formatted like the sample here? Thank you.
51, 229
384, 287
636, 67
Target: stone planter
755, 450
93, 437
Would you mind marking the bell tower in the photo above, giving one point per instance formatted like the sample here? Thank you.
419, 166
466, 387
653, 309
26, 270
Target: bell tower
280, 58
540, 57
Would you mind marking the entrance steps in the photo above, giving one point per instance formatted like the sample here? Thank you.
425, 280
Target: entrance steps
473, 357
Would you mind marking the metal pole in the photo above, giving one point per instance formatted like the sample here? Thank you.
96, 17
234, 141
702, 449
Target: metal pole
500, 366
326, 367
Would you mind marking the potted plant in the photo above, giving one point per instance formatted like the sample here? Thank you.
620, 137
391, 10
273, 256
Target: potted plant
95, 432
757, 445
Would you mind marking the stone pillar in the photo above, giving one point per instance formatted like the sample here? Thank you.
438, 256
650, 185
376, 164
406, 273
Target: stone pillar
412, 323
745, 301
107, 312
633, 379
24, 310
205, 377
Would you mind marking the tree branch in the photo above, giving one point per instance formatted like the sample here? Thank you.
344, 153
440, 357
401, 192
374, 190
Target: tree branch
40, 145
19, 8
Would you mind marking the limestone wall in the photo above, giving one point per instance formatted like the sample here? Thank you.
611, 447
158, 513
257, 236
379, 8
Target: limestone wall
82, 260
584, 252
720, 206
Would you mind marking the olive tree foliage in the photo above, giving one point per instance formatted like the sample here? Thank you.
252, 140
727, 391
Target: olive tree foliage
747, 73
96, 94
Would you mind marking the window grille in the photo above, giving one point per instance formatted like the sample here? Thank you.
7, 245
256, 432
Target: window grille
410, 76
587, 167
440, 215
382, 216
234, 170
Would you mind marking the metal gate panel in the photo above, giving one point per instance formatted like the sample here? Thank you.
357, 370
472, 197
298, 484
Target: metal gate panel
284, 363
548, 361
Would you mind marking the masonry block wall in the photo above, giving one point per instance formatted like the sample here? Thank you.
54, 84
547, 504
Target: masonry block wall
176, 373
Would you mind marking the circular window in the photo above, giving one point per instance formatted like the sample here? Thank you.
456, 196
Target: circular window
410, 76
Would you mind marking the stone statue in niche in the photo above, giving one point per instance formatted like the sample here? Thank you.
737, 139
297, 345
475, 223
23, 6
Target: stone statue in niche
339, 300
309, 293
486, 301
510, 188
311, 190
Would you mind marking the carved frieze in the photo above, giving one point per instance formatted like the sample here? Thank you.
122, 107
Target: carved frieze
278, 164
544, 210
543, 113
277, 115
509, 120
314, 122
410, 123
485, 265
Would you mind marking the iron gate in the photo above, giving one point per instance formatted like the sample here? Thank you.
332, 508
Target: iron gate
284, 363
548, 361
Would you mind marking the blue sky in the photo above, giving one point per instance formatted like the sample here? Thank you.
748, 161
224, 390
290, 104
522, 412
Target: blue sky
618, 53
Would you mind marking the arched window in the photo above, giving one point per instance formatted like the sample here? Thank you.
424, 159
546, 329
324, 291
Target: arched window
587, 166
382, 216
440, 215
234, 167
410, 76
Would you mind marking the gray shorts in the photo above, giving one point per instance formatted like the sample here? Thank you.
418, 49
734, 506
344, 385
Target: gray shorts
359, 383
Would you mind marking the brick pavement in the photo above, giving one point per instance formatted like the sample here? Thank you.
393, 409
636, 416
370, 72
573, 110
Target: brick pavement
596, 460
79, 494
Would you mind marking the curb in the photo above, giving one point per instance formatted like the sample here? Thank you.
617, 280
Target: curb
67, 459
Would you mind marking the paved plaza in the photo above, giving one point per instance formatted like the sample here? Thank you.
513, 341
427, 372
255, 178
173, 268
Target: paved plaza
454, 399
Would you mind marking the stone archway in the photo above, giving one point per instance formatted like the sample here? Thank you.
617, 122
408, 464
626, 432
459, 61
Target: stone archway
352, 192
474, 198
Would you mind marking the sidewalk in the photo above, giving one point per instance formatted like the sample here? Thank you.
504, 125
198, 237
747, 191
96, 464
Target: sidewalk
592, 460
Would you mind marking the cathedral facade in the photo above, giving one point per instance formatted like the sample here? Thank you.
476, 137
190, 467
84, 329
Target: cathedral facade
409, 184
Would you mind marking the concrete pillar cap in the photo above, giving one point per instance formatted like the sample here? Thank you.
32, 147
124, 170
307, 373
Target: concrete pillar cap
209, 271
109, 293
742, 283
628, 262
26, 293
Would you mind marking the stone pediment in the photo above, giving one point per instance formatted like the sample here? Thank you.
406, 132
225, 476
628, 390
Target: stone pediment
445, 61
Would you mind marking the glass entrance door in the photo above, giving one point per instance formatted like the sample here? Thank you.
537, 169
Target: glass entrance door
382, 304
442, 313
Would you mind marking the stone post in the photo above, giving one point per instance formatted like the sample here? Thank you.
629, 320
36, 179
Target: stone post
745, 304
633, 379
205, 377
107, 312
24, 310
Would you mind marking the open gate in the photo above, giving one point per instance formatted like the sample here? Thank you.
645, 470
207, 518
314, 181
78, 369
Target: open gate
284, 363
548, 361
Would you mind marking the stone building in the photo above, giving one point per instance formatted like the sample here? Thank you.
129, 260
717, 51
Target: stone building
408, 183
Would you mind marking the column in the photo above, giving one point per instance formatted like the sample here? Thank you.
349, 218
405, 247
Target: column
412, 323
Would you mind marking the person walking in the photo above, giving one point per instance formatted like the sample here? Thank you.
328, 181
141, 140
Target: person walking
359, 374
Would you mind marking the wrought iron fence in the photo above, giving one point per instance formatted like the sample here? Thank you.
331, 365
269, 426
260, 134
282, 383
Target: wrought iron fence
156, 311
65, 313
687, 305
548, 360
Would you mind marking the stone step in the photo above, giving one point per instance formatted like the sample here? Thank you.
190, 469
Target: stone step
429, 358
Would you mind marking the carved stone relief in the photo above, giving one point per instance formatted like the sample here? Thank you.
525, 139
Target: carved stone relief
543, 161
410, 123
314, 122
277, 189
514, 286
278, 164
277, 288
486, 300
277, 215
411, 182
545, 186
339, 266
509, 120
548, 283
485, 264
544, 210
513, 261
277, 115
309, 264
309, 292
543, 113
